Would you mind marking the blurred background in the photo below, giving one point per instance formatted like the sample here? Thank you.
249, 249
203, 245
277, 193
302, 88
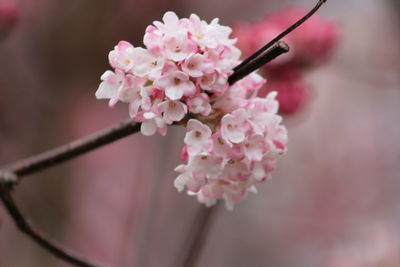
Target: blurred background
332, 202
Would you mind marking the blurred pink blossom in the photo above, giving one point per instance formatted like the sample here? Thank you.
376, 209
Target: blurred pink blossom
313, 42
293, 92
9, 15
310, 44
372, 245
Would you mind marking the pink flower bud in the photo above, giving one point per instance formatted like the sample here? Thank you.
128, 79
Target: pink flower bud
314, 41
184, 154
293, 94
311, 43
9, 15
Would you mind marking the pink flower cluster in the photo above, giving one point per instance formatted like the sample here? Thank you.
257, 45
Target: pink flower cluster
229, 157
184, 63
233, 137
311, 44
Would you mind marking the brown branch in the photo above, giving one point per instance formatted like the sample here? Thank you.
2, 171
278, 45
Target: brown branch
278, 49
25, 227
76, 148
12, 173
199, 234
280, 36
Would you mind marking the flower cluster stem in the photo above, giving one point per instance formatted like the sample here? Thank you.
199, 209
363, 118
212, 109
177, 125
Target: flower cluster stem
202, 226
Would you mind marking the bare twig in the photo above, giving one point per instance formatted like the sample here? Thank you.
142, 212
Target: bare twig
73, 149
199, 234
278, 49
12, 173
280, 36
36, 236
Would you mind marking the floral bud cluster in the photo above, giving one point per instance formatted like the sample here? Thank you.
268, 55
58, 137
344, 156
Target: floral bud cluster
233, 137
311, 44
185, 62
229, 158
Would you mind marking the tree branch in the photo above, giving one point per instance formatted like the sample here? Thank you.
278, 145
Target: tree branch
76, 148
199, 234
25, 227
278, 49
12, 173
280, 36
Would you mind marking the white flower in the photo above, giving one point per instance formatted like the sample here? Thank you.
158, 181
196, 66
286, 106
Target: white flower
173, 111
151, 121
120, 87
235, 126
199, 104
171, 23
254, 147
178, 47
176, 84
196, 65
198, 138
146, 63
109, 87
186, 179
204, 165
120, 57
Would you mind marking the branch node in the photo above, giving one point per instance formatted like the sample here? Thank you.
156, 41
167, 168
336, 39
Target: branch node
8, 179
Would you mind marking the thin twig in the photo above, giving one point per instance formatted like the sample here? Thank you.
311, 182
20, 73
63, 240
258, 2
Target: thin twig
199, 234
36, 236
11, 174
76, 148
280, 36
278, 49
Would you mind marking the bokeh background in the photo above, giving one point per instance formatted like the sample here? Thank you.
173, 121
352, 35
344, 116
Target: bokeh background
332, 202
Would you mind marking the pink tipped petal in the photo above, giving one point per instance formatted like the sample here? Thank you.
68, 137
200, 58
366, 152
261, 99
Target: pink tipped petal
174, 93
148, 128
